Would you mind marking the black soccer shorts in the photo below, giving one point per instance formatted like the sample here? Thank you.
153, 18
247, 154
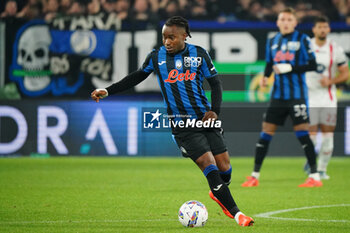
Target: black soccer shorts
279, 110
194, 144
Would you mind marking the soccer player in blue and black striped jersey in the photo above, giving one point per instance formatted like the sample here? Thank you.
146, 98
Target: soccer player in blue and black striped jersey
181, 69
289, 55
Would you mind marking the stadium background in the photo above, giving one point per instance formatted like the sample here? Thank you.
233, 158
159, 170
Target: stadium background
51, 62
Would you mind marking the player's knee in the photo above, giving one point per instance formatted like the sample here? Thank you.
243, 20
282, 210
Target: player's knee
313, 127
327, 142
269, 128
223, 161
224, 166
301, 127
205, 160
328, 135
313, 137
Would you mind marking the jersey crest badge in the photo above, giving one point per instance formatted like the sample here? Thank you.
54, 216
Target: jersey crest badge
293, 45
178, 64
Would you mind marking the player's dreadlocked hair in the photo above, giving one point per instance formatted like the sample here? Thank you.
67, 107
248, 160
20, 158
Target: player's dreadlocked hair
180, 22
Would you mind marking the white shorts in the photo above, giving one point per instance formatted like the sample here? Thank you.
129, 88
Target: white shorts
324, 116
322, 109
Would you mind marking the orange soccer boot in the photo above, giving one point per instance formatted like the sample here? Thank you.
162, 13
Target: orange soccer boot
311, 182
242, 219
211, 195
250, 182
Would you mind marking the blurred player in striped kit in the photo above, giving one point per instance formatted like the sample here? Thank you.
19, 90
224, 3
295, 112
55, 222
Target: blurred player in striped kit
289, 56
332, 68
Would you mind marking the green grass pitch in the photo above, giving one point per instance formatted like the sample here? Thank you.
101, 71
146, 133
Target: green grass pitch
121, 194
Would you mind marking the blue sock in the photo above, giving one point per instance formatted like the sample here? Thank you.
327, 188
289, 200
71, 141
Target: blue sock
220, 189
308, 147
261, 150
210, 168
226, 175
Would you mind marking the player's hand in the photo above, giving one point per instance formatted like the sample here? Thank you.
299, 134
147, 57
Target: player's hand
210, 115
263, 81
99, 94
325, 81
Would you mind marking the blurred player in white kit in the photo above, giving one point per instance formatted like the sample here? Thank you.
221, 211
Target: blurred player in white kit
332, 68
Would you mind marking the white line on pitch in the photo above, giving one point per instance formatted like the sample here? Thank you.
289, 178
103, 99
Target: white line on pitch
305, 219
269, 214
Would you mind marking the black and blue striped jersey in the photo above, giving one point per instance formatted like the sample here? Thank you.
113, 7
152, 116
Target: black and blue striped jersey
180, 78
295, 49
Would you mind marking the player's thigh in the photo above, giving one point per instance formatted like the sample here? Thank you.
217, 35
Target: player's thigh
328, 116
276, 113
216, 141
218, 147
192, 144
298, 111
315, 115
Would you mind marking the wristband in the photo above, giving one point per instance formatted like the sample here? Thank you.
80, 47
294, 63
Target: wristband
284, 68
102, 89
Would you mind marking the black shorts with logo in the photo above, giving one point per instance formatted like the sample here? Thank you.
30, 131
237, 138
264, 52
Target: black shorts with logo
279, 110
194, 144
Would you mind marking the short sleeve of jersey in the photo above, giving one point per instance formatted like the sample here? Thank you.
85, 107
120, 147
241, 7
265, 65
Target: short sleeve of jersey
268, 57
148, 64
207, 67
340, 56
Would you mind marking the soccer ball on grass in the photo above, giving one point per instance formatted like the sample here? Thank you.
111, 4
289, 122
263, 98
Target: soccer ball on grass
193, 214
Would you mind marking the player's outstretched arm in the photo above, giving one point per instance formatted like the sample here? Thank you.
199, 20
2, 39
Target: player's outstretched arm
126, 83
310, 66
